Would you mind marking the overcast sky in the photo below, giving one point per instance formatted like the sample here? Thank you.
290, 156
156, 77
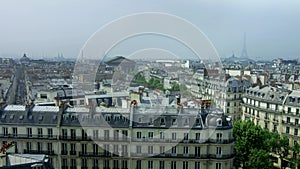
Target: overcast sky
43, 28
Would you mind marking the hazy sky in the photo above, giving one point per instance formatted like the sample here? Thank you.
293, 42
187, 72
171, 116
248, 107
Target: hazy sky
43, 28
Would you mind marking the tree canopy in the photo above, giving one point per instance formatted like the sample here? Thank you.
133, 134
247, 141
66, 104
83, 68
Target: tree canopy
254, 145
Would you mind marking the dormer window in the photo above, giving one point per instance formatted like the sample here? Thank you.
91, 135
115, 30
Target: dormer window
272, 96
21, 117
40, 118
54, 117
150, 121
12, 116
30, 117
186, 122
174, 121
66, 116
117, 117
219, 122
162, 121
107, 118
198, 122
3, 116
292, 99
74, 116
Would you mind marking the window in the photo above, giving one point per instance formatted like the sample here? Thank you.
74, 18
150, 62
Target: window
198, 136
161, 165
106, 134
49, 147
186, 136
150, 150
28, 146
275, 128
124, 134
5, 131
95, 149
173, 136
174, 150
95, 164
83, 148
73, 134
162, 135
197, 151
287, 130
161, 149
64, 133
84, 135
150, 164
73, 149
185, 165
124, 150
106, 164
173, 164
73, 163
116, 149
39, 146
64, 163
138, 164
218, 166
40, 132
116, 135
150, 135
296, 121
95, 134
106, 150
174, 121
296, 132
197, 165
288, 119
162, 121
81, 102
116, 164
50, 132
83, 163
289, 110
219, 137
186, 150
64, 148
29, 132
15, 132
139, 135
138, 149
218, 151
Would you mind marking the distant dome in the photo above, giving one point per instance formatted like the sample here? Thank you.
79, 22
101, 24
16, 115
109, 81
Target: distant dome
24, 58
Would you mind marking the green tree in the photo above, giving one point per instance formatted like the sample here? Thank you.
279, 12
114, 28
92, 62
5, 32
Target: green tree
248, 137
259, 158
140, 78
295, 158
280, 146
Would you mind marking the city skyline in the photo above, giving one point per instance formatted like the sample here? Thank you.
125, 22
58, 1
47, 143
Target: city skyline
46, 29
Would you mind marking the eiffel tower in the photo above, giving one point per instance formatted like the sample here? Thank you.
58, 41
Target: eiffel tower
244, 51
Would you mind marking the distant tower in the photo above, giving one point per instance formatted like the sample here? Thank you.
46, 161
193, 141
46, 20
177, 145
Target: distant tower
244, 51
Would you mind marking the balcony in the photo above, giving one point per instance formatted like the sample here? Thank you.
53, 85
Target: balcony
72, 152
25, 136
47, 152
94, 154
221, 156
64, 152
221, 141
